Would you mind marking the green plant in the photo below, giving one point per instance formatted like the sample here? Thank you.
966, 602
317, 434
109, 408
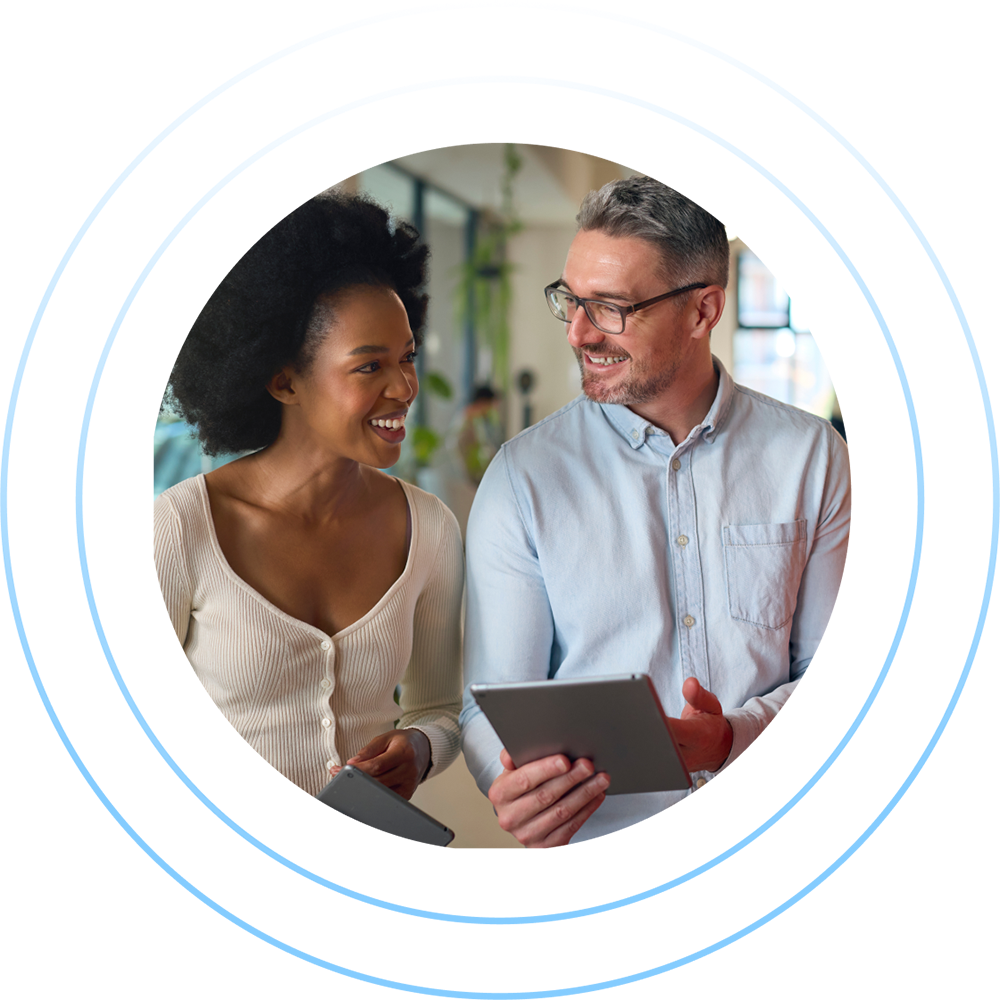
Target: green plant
483, 293
423, 441
436, 384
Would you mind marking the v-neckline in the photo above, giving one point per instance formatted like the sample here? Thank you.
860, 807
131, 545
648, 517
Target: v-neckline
413, 528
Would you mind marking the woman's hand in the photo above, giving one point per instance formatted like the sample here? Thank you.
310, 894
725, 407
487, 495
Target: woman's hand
399, 759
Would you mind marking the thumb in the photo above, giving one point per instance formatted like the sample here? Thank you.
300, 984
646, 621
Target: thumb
699, 698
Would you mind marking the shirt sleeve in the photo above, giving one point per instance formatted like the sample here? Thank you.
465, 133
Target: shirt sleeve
172, 601
817, 593
508, 620
431, 690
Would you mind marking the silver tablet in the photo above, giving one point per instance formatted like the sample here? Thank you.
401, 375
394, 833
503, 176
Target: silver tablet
361, 797
617, 722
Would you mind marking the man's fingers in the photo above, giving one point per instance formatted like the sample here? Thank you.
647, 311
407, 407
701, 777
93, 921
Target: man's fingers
507, 760
512, 784
562, 835
520, 816
700, 699
683, 731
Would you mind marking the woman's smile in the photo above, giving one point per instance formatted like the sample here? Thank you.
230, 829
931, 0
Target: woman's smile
389, 426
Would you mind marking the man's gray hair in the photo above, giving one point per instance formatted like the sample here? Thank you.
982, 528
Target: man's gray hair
692, 243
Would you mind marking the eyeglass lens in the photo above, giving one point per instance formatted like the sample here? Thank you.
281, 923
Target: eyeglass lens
606, 317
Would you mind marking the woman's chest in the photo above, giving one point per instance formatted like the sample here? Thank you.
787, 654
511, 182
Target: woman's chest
329, 577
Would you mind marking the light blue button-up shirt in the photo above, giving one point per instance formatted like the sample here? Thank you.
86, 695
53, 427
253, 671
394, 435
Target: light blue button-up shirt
596, 546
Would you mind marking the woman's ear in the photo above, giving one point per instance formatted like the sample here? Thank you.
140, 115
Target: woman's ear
282, 387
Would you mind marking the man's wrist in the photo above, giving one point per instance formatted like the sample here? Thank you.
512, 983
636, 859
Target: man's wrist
729, 737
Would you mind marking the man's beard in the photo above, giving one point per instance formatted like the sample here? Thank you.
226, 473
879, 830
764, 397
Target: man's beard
639, 386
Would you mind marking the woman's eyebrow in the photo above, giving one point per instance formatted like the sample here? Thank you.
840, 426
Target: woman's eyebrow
374, 349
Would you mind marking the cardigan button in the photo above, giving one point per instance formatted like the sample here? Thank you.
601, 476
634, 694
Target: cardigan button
325, 644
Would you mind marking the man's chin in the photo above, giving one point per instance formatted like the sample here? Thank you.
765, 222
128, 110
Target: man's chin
601, 391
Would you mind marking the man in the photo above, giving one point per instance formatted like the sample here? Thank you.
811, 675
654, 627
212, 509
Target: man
667, 521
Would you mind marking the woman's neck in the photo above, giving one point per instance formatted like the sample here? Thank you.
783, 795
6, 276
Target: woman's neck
300, 483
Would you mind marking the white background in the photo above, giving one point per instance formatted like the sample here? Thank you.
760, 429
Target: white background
921, 80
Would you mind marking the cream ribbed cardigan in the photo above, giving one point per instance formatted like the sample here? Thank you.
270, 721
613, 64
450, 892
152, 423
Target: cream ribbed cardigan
302, 699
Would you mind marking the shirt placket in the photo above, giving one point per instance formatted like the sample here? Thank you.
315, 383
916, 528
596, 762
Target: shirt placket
689, 607
327, 721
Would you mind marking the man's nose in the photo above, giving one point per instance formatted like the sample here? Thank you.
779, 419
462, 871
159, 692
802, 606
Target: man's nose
580, 331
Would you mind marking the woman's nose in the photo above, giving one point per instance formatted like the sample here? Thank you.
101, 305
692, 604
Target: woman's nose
404, 387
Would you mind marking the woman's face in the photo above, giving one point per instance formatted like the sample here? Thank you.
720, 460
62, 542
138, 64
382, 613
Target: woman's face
352, 400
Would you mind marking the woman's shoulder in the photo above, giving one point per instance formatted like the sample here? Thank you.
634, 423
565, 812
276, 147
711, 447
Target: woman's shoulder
430, 510
183, 496
182, 505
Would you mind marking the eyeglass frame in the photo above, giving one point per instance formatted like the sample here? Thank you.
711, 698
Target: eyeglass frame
623, 311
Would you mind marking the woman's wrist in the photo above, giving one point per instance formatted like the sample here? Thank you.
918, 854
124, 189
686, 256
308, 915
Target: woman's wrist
422, 745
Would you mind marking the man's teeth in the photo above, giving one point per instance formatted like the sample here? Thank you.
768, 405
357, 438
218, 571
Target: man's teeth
392, 425
604, 360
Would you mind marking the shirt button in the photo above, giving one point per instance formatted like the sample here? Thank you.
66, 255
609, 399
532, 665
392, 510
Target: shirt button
635, 435
325, 683
688, 620
325, 644
327, 723
699, 783
682, 540
675, 464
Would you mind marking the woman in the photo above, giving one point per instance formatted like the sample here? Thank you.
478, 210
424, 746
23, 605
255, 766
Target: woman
303, 583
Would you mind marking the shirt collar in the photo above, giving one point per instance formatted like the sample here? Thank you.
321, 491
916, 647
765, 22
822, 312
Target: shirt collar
634, 428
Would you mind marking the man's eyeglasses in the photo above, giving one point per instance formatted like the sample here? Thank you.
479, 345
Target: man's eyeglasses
606, 316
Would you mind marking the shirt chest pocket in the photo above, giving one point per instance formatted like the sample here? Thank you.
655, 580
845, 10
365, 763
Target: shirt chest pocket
764, 563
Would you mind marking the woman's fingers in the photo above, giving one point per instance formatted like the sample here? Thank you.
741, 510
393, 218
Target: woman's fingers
375, 748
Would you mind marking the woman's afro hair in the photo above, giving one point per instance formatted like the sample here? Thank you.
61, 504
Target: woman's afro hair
258, 320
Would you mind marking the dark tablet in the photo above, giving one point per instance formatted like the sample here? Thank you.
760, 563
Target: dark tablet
361, 797
616, 722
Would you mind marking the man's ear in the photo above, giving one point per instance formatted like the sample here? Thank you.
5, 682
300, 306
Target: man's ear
710, 302
281, 385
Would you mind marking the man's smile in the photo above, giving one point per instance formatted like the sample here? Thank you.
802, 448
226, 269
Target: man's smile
605, 360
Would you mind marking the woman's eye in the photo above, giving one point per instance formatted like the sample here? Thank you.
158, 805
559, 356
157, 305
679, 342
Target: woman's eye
410, 358
370, 368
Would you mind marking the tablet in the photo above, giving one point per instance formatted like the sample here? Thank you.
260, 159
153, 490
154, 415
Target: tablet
361, 797
617, 722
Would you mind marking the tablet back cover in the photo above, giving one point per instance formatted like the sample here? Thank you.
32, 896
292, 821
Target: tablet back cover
617, 722
356, 794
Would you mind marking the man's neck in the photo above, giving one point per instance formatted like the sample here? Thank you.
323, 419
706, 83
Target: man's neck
685, 404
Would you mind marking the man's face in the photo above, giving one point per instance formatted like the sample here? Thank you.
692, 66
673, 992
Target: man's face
641, 364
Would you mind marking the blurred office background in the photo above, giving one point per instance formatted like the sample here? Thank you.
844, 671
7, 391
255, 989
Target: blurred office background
499, 219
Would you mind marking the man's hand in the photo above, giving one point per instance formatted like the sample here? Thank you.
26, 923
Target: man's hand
703, 733
399, 759
545, 802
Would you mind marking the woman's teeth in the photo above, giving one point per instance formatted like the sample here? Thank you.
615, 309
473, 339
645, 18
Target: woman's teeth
392, 425
605, 360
